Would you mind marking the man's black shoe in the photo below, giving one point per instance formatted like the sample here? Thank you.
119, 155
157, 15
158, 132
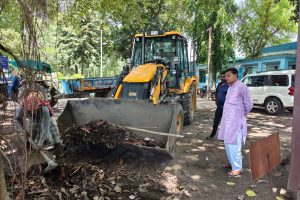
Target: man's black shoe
209, 137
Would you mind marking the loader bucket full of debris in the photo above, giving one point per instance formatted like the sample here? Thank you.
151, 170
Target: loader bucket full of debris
145, 122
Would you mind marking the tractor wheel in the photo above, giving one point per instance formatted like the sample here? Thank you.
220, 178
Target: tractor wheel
33, 90
188, 102
171, 143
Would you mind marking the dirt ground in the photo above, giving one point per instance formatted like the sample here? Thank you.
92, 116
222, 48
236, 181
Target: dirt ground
198, 161
194, 172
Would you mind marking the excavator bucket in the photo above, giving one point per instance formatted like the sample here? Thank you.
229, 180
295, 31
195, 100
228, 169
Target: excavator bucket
146, 119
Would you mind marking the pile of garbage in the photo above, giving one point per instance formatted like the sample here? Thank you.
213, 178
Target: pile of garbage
95, 132
88, 181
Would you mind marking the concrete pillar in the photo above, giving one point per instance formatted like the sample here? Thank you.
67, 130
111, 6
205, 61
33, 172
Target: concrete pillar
283, 64
294, 174
260, 67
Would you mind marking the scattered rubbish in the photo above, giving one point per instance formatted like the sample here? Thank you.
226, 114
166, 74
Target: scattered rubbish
194, 188
240, 197
250, 193
277, 174
186, 193
262, 181
117, 188
230, 183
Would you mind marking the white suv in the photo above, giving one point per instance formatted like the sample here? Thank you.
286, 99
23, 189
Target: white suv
274, 90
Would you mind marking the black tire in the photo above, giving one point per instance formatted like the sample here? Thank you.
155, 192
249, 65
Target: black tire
37, 89
213, 96
202, 94
53, 97
188, 103
273, 106
171, 143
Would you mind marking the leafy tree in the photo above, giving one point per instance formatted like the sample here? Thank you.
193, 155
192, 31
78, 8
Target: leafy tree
11, 40
262, 23
79, 46
113, 65
219, 15
295, 17
126, 18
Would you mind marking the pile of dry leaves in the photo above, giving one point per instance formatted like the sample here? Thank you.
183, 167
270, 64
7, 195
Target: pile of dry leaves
95, 132
87, 181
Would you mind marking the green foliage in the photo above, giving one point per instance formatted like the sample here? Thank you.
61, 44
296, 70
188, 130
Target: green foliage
8, 17
113, 65
295, 3
219, 15
79, 46
66, 34
126, 18
263, 23
11, 40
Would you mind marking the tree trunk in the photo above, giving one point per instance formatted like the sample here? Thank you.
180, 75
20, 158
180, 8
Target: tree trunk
3, 190
214, 77
82, 63
76, 69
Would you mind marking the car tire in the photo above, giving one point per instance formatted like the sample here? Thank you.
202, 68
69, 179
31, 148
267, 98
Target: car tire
273, 106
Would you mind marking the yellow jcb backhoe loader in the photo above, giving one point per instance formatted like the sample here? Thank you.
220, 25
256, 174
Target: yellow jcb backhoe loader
155, 94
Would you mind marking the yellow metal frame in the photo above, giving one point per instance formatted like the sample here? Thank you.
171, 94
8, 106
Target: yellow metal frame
187, 84
160, 35
118, 93
142, 74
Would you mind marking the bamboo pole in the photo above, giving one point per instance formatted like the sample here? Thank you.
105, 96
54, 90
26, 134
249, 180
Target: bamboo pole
154, 132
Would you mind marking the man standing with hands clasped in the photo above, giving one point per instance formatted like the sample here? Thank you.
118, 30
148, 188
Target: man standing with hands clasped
221, 92
233, 128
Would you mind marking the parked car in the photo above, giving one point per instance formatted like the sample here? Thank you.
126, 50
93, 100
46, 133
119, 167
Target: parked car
273, 90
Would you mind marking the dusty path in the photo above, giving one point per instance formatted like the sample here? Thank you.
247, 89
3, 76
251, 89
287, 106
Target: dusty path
198, 162
195, 172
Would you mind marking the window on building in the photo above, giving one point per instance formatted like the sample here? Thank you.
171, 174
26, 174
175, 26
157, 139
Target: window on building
250, 70
260, 81
279, 80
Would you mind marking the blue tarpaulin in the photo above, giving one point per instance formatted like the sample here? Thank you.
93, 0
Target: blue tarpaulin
3, 62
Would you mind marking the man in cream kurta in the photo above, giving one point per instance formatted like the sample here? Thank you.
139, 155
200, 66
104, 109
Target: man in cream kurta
233, 128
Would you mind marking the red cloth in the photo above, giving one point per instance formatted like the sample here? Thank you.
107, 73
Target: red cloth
34, 103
